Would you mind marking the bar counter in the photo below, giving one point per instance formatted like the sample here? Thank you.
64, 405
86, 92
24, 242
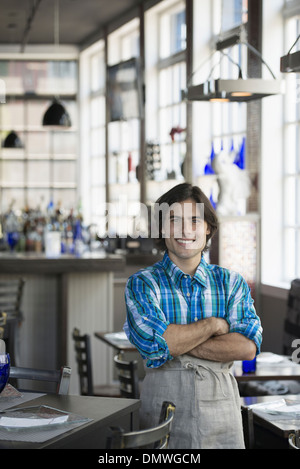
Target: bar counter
38, 263
60, 294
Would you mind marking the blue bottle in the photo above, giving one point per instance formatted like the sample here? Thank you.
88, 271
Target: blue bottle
249, 366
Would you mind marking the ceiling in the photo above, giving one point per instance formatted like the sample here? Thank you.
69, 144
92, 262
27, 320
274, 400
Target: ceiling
32, 21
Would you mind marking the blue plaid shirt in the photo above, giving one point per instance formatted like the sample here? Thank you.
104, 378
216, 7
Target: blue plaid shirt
162, 294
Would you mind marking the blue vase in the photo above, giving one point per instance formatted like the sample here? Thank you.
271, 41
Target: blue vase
4, 371
249, 366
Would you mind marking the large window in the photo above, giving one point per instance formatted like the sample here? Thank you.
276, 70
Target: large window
44, 169
93, 135
291, 164
124, 131
280, 234
165, 110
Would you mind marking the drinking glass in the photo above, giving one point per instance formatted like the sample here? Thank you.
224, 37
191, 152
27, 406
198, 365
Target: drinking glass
4, 370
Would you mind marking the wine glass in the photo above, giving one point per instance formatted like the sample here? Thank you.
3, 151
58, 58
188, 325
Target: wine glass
4, 370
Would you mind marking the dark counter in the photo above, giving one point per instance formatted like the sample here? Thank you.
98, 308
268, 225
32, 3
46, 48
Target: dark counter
38, 263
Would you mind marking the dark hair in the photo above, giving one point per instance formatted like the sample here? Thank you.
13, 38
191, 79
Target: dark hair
180, 193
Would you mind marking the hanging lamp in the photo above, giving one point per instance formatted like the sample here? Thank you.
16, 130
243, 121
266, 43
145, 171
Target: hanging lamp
291, 62
12, 140
56, 114
234, 90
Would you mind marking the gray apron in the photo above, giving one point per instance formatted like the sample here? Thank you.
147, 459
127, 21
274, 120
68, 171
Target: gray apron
208, 411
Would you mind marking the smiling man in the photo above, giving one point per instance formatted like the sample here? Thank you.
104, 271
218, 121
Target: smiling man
190, 320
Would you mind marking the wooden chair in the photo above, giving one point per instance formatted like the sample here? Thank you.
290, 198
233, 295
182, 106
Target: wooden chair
128, 377
155, 438
83, 355
10, 304
60, 377
294, 440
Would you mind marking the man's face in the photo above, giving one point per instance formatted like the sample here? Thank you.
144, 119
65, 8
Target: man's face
185, 230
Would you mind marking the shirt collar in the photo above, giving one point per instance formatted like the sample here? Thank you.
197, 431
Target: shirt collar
176, 274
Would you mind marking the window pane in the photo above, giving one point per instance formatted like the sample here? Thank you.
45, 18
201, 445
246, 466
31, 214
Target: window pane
290, 201
13, 173
12, 115
64, 172
13, 196
98, 171
291, 132
98, 141
38, 143
172, 32
39, 173
290, 254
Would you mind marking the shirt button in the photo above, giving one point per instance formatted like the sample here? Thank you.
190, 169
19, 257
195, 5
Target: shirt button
185, 276
187, 294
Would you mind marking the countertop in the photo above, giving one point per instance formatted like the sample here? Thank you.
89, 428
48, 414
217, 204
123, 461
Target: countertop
35, 263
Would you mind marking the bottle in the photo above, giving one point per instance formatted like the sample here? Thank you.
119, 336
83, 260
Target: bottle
78, 239
4, 365
52, 234
129, 165
249, 366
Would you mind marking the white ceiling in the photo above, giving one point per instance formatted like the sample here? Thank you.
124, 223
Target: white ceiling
32, 21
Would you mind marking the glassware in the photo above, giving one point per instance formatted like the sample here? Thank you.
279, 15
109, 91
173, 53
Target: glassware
249, 366
4, 370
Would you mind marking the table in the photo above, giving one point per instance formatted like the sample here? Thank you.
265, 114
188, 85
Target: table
278, 367
270, 430
60, 294
103, 412
117, 340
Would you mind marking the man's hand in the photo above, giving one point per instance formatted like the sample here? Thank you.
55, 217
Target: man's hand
221, 326
226, 348
181, 338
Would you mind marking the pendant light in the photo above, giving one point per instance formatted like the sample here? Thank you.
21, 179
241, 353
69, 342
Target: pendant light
291, 62
234, 90
12, 141
56, 114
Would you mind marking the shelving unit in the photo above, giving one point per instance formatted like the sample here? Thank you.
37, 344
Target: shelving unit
45, 168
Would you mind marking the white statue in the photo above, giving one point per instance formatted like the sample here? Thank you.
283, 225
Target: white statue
234, 185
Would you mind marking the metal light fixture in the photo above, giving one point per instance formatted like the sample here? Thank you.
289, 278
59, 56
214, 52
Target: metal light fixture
290, 62
12, 141
234, 90
56, 114
240, 90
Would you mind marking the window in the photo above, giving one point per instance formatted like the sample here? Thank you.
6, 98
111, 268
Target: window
45, 168
124, 137
93, 134
165, 110
291, 164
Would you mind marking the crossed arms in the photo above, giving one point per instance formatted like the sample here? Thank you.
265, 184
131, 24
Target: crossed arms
209, 339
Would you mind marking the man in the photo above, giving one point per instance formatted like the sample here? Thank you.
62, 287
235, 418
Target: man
190, 321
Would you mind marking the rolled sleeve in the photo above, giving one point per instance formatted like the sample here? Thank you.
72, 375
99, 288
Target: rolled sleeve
242, 314
146, 323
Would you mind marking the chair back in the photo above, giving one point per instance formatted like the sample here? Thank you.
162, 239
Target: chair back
155, 438
292, 320
61, 377
248, 427
82, 346
10, 314
294, 440
128, 377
